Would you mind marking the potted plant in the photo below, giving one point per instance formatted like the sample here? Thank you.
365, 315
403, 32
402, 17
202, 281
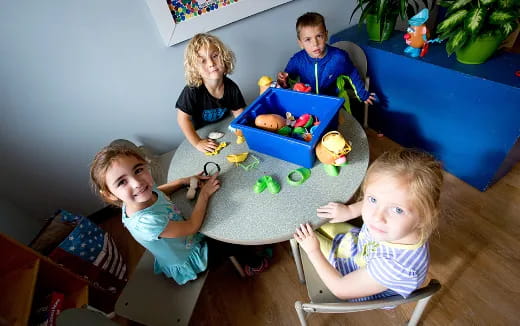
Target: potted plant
475, 28
380, 16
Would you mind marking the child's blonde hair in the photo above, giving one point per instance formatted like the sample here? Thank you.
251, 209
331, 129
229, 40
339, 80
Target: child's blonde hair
191, 57
423, 174
102, 162
309, 19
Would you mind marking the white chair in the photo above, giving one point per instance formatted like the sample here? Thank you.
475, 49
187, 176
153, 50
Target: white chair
323, 301
359, 59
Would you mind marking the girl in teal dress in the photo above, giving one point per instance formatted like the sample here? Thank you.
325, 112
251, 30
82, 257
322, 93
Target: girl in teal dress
122, 177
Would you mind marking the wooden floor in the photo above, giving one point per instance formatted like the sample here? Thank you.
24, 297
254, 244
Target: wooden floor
475, 256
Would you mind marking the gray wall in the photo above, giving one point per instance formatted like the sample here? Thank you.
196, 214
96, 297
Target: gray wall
75, 75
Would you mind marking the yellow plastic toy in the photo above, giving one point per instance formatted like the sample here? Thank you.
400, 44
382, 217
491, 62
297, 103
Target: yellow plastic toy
264, 82
217, 150
240, 136
237, 158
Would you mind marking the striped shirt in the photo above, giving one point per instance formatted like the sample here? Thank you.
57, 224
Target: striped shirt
400, 268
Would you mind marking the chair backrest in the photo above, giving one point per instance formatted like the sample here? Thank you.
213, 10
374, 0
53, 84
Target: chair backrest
323, 301
356, 54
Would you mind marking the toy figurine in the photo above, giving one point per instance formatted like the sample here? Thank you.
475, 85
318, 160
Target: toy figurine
417, 35
332, 151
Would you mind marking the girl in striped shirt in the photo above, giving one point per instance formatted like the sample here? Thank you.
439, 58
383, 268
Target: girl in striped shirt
389, 254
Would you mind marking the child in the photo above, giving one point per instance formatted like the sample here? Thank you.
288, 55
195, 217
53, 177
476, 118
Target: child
320, 64
210, 94
389, 254
122, 177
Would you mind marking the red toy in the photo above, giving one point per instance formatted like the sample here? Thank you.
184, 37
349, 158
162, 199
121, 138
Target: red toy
301, 87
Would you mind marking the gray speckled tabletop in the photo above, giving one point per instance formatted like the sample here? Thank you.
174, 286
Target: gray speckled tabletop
236, 214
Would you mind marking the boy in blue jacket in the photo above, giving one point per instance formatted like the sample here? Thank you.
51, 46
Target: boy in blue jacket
320, 64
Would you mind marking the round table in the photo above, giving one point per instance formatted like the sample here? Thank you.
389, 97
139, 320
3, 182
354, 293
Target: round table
236, 214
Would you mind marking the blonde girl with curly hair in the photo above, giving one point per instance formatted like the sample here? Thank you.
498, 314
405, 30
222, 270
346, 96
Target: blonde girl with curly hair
209, 95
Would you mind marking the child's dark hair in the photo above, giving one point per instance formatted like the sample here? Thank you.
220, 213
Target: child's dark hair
100, 164
309, 19
423, 174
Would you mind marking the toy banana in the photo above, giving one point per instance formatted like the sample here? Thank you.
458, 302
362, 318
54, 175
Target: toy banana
217, 150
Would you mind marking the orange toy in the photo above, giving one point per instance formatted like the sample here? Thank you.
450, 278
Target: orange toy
270, 122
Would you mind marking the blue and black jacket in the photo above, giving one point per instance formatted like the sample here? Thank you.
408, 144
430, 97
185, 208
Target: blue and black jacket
321, 74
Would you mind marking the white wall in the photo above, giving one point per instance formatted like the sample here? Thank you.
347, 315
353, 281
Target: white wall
75, 75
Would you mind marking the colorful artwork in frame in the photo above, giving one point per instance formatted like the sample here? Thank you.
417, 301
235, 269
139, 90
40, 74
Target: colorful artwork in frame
179, 20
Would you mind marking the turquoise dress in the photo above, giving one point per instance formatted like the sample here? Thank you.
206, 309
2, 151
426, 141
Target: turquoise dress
179, 258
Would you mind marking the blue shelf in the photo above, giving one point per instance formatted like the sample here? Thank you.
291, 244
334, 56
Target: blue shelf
466, 115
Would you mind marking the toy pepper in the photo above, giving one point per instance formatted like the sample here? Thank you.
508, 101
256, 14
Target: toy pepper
301, 87
417, 35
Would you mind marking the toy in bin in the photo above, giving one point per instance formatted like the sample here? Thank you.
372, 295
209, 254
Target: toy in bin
281, 102
332, 151
289, 126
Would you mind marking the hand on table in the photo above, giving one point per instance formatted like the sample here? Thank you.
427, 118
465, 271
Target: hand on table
210, 186
334, 212
305, 236
206, 145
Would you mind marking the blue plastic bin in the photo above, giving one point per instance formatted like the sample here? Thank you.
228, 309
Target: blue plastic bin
280, 101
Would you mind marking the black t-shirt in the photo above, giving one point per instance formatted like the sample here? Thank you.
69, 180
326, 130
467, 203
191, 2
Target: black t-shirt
204, 108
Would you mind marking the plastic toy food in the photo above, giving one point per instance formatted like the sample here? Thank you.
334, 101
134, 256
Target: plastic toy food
333, 149
270, 122
417, 36
301, 87
217, 150
305, 120
264, 83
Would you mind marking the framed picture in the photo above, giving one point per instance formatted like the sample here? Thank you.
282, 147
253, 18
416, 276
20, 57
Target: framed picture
179, 20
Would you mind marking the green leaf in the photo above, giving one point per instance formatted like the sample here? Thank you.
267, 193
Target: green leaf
354, 12
445, 3
458, 4
507, 28
500, 17
486, 2
456, 41
452, 21
474, 20
508, 4
402, 8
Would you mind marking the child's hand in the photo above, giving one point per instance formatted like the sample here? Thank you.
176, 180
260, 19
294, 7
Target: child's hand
186, 181
210, 186
335, 212
281, 79
306, 238
371, 99
206, 145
